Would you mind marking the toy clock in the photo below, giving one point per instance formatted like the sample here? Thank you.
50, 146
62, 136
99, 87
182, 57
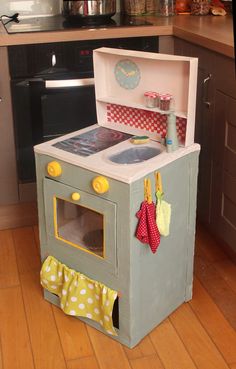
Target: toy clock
127, 74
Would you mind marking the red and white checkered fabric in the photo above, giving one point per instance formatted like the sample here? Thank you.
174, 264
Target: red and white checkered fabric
144, 119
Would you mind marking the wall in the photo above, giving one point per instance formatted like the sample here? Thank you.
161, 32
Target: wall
32, 7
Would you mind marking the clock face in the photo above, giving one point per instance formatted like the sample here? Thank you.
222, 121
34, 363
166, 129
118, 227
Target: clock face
127, 74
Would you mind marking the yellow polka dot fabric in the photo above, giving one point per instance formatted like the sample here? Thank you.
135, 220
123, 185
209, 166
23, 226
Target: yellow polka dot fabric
79, 295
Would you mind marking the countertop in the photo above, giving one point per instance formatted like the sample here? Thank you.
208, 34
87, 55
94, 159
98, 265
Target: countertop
126, 173
212, 32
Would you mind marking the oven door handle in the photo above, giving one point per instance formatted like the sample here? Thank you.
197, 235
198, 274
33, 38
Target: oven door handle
69, 83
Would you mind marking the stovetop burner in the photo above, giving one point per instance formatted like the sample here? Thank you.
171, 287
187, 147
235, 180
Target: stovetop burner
89, 22
58, 22
92, 142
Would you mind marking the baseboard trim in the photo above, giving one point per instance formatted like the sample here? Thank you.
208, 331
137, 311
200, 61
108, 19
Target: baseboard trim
225, 247
18, 215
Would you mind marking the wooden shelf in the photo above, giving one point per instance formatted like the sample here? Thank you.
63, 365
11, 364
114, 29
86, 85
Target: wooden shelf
129, 104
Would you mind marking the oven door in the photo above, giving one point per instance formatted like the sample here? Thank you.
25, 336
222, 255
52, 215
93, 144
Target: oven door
81, 228
44, 109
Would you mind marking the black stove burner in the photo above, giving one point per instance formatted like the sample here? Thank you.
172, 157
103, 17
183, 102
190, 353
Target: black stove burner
91, 22
58, 22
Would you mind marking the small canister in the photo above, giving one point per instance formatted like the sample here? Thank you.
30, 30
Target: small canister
166, 8
199, 7
150, 99
165, 100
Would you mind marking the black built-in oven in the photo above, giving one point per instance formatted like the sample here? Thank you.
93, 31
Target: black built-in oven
53, 91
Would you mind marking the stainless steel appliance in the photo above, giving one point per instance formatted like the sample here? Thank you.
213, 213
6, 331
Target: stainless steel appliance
53, 92
89, 9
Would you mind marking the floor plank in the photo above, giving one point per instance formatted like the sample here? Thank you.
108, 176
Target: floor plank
1, 356
8, 266
26, 250
144, 348
15, 340
149, 362
196, 339
109, 353
227, 270
73, 335
83, 363
170, 348
214, 322
217, 288
45, 340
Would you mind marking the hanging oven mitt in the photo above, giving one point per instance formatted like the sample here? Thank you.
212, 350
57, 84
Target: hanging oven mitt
163, 209
147, 230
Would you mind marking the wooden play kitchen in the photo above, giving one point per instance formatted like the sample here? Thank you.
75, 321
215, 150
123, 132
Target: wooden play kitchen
117, 200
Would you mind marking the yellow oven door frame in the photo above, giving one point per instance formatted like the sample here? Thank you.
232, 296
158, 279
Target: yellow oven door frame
57, 245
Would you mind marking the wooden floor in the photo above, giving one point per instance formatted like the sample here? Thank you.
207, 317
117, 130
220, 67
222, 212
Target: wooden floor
36, 335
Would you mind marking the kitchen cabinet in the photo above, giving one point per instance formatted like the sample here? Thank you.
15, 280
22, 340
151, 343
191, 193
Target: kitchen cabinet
223, 219
8, 175
215, 130
203, 123
12, 212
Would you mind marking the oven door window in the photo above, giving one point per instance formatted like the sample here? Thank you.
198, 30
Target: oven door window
79, 226
84, 228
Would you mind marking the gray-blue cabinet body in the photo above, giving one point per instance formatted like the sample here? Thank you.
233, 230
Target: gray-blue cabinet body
150, 286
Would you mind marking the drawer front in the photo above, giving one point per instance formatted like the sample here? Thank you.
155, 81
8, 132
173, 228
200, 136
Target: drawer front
81, 227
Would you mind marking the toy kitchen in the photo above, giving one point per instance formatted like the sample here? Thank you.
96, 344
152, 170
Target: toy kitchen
117, 199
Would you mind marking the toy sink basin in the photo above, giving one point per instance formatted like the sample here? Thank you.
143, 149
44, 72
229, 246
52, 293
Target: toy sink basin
134, 155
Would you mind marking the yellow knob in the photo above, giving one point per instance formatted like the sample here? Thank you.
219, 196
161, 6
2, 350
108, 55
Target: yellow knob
100, 184
54, 169
75, 196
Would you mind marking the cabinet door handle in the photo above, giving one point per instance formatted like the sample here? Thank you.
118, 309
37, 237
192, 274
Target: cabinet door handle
54, 59
0, 99
207, 103
69, 83
207, 78
205, 91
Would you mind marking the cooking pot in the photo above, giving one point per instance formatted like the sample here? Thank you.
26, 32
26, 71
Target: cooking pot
88, 9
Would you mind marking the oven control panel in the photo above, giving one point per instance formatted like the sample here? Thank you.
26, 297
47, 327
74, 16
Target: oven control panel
54, 169
100, 184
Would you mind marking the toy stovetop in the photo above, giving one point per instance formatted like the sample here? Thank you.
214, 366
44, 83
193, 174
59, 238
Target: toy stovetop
93, 141
102, 161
